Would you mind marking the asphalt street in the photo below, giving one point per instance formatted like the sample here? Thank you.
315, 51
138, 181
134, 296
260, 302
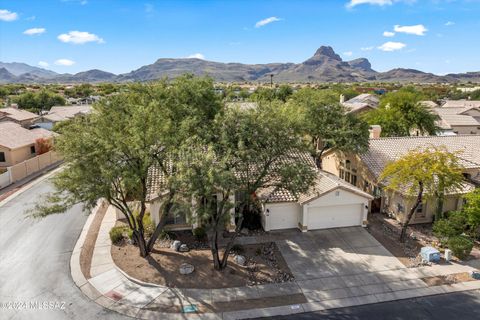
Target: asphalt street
35, 263
458, 306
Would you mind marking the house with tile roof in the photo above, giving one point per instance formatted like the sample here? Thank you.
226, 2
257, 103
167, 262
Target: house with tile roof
62, 113
18, 144
20, 116
458, 118
362, 103
330, 202
363, 171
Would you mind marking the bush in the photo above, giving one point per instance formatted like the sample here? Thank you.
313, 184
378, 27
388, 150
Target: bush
165, 235
116, 234
453, 226
199, 233
237, 249
148, 225
460, 246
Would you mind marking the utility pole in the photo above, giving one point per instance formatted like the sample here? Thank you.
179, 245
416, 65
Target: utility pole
271, 80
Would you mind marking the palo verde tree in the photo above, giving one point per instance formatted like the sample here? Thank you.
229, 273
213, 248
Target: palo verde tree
109, 153
423, 173
326, 123
252, 150
401, 114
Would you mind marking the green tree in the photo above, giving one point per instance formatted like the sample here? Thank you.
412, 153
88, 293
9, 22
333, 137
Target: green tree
38, 101
401, 114
418, 174
109, 153
284, 92
472, 211
326, 123
252, 150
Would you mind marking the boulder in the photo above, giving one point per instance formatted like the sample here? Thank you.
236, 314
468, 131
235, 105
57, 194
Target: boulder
183, 248
186, 268
175, 245
240, 260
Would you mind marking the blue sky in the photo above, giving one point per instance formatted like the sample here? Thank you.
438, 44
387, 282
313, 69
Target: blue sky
118, 36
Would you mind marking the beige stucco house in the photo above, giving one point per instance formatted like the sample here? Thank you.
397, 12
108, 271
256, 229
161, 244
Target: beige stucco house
329, 203
18, 144
22, 117
61, 113
364, 170
360, 104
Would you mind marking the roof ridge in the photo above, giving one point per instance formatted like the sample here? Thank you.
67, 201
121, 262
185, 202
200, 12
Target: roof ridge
425, 137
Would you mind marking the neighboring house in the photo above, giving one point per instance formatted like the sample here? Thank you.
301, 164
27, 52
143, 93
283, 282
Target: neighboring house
364, 170
22, 117
361, 103
458, 118
18, 144
429, 104
61, 113
84, 101
329, 203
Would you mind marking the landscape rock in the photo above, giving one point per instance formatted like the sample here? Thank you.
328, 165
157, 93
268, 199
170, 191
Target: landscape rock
183, 248
240, 260
176, 245
186, 268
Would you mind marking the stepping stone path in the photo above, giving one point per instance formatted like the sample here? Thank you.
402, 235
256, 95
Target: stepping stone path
186, 268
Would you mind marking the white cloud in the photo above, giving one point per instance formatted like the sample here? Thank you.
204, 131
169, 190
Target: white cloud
34, 31
79, 37
6, 15
266, 21
449, 23
392, 46
196, 56
43, 64
354, 3
381, 3
418, 29
64, 62
388, 34
367, 48
348, 53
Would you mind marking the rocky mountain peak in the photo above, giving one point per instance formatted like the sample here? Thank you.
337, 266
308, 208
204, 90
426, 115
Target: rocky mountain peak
327, 51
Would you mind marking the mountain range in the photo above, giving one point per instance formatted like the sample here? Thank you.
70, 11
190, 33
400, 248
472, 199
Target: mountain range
324, 66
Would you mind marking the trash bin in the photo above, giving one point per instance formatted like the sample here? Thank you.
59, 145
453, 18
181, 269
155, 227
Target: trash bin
430, 254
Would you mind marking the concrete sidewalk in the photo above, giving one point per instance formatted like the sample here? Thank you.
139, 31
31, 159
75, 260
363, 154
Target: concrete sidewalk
114, 290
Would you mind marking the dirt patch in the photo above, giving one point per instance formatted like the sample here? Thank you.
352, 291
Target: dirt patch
265, 264
406, 253
448, 279
87, 249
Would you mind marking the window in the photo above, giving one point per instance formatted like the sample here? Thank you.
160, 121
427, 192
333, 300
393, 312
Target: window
419, 213
347, 176
32, 149
2, 156
347, 164
342, 174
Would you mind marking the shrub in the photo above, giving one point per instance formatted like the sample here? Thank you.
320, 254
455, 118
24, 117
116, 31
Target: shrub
237, 249
148, 225
166, 235
199, 233
116, 234
453, 226
461, 246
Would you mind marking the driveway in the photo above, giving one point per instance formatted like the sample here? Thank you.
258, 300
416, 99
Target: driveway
341, 260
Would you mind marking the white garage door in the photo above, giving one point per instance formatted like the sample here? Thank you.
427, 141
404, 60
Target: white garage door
282, 217
334, 216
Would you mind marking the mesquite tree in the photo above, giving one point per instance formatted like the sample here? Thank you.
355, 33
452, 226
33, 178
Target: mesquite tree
108, 154
251, 150
421, 173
